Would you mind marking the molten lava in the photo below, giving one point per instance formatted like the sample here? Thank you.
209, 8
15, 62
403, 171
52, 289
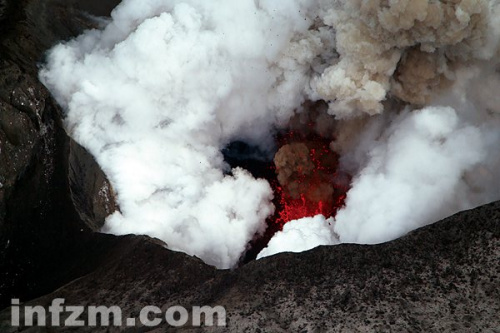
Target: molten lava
304, 177
308, 181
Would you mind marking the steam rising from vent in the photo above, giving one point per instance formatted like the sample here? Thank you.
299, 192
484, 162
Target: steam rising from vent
412, 111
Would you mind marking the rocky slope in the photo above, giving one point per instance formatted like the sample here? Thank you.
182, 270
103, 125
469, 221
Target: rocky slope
39, 225
441, 278
445, 277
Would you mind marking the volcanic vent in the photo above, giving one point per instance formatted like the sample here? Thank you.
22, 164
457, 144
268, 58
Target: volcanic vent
393, 102
304, 172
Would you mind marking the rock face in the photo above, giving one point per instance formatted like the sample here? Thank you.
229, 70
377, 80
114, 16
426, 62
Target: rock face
91, 191
445, 277
441, 278
39, 225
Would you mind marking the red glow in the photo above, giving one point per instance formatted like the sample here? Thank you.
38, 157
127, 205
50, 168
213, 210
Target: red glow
324, 173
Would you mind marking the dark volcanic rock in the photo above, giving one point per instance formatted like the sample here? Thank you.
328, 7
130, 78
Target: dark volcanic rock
40, 230
91, 191
441, 278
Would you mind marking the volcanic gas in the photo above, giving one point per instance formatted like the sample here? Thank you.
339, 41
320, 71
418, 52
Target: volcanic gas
361, 120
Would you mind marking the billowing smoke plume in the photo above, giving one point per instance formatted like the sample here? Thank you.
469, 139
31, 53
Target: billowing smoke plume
167, 84
408, 48
158, 93
412, 165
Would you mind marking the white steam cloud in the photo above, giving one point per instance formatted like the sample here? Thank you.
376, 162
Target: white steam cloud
422, 168
166, 84
301, 235
158, 93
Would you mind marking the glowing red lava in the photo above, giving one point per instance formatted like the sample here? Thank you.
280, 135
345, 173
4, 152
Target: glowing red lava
305, 180
308, 180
